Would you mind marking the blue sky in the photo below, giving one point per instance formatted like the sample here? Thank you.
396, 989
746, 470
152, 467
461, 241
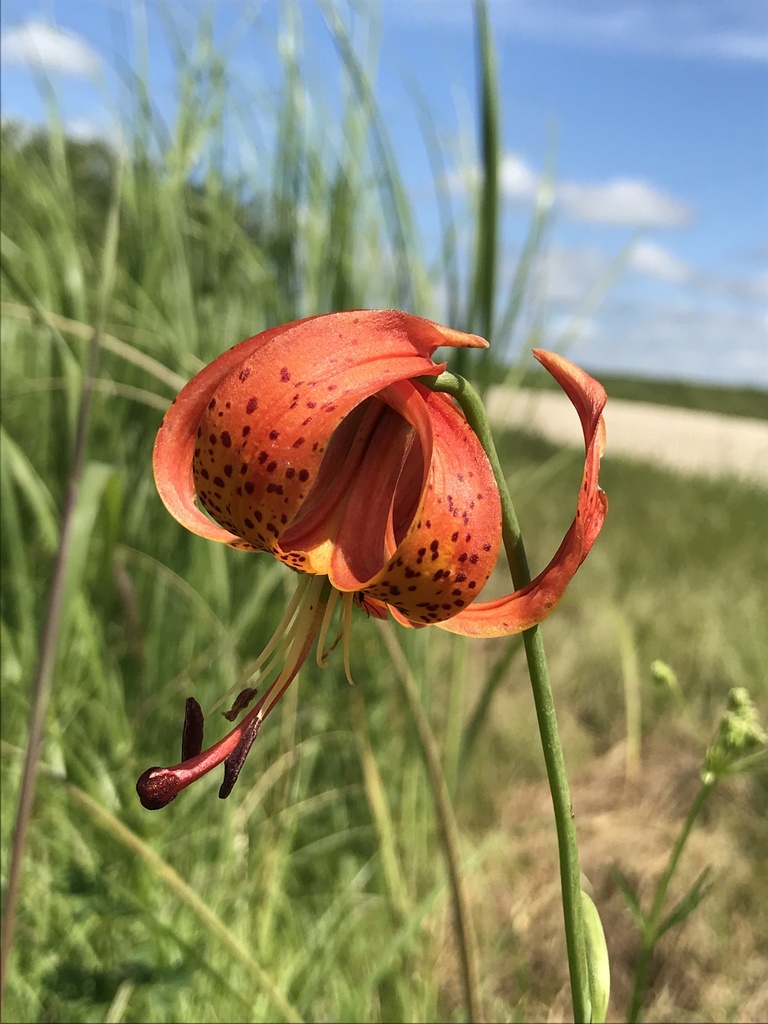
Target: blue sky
659, 111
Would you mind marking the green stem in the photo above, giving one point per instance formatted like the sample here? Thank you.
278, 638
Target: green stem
448, 830
49, 640
651, 929
570, 880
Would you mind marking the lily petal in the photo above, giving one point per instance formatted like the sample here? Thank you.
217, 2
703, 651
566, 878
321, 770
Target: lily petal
365, 539
315, 530
177, 436
529, 605
255, 429
449, 549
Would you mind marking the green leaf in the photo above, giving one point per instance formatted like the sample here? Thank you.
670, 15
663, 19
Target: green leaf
630, 897
96, 477
36, 492
687, 904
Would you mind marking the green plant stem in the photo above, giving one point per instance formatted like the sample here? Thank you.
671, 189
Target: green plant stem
49, 641
449, 833
486, 245
651, 929
570, 880
41, 690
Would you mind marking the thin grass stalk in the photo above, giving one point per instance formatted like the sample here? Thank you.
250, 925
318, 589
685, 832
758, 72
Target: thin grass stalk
526, 263
482, 707
448, 831
450, 273
289, 176
595, 296
107, 821
378, 802
554, 759
452, 736
633, 708
486, 252
49, 643
109, 343
393, 195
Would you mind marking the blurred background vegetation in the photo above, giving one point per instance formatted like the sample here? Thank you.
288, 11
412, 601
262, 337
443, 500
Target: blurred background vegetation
318, 890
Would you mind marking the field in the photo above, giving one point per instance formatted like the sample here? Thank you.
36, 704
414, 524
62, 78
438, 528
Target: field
318, 890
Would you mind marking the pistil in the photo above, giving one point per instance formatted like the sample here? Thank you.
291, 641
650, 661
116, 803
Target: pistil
158, 786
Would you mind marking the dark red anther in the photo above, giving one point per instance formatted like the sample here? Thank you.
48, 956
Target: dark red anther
236, 760
241, 702
192, 734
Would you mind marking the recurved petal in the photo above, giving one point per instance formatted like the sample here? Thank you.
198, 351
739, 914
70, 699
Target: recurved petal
265, 430
376, 512
448, 549
303, 386
529, 605
361, 465
179, 433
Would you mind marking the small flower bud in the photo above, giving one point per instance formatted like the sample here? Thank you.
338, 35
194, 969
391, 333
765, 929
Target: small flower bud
663, 675
598, 963
738, 734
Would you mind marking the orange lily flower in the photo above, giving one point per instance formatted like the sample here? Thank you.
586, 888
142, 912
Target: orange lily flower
316, 442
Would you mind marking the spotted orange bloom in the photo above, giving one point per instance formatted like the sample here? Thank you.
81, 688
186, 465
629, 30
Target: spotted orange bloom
317, 443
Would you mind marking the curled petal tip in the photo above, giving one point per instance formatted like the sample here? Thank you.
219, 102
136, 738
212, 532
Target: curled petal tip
530, 604
459, 339
586, 393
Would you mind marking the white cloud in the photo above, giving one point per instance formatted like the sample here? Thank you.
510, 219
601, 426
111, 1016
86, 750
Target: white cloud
738, 46
757, 286
682, 340
516, 178
627, 202
741, 289
83, 130
722, 30
714, 328
40, 45
566, 275
623, 201
653, 261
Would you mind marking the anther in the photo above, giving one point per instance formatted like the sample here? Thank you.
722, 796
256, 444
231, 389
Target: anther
192, 733
234, 763
241, 702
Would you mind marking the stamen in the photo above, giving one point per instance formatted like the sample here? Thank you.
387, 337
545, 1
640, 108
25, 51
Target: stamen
322, 654
303, 633
346, 611
236, 759
240, 703
158, 786
278, 639
192, 733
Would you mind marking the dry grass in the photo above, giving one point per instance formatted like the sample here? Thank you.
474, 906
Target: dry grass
714, 967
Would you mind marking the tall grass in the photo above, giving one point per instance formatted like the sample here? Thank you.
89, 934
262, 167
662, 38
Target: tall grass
317, 890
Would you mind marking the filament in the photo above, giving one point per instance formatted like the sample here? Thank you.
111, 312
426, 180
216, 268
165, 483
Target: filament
347, 613
322, 654
277, 645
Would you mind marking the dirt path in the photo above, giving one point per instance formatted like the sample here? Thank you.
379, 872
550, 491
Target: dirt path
700, 443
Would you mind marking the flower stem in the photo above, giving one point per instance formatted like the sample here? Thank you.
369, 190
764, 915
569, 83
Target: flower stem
570, 882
